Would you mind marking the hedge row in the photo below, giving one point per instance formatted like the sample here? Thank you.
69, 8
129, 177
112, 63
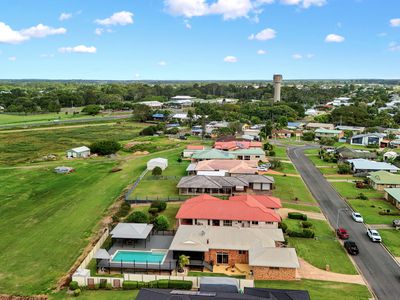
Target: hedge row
161, 284
306, 233
297, 216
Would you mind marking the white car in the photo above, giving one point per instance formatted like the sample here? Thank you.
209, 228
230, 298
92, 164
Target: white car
374, 235
357, 217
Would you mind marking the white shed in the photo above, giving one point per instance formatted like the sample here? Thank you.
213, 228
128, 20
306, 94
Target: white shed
78, 152
157, 162
389, 155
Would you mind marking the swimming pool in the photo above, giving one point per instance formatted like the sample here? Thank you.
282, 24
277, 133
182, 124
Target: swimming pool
139, 256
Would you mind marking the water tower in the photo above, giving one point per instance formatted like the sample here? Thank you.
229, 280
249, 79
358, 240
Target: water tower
277, 87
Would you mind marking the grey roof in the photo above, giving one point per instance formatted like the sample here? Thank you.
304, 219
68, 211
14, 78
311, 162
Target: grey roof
250, 178
219, 280
191, 167
349, 153
80, 149
217, 182
274, 257
102, 254
138, 231
364, 164
376, 134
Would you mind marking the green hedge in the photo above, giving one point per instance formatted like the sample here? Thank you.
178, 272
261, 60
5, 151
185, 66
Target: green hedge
161, 284
130, 285
306, 233
297, 216
306, 224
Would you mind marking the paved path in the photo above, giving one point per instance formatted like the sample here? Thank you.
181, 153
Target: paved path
283, 212
308, 271
376, 264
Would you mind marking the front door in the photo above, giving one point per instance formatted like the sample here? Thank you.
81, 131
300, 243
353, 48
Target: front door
222, 258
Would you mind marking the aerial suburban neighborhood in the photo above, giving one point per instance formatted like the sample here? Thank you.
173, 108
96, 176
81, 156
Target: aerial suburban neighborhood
200, 149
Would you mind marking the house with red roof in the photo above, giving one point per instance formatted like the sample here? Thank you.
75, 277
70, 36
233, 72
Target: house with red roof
258, 211
191, 149
236, 145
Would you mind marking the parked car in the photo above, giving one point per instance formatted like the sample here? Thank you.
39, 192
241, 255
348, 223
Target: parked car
342, 233
351, 247
182, 137
396, 223
357, 217
374, 235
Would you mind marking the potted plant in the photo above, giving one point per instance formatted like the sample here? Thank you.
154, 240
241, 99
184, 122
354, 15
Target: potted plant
183, 261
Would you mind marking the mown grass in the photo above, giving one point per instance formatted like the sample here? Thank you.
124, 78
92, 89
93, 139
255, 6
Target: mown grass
321, 290
280, 152
370, 209
6, 119
169, 213
391, 239
302, 207
349, 190
287, 168
323, 250
98, 295
289, 188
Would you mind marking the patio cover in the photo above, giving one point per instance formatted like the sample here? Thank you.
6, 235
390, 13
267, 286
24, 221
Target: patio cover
102, 254
134, 231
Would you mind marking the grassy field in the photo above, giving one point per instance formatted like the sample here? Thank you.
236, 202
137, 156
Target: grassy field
98, 295
319, 162
6, 119
370, 209
348, 190
287, 168
280, 152
325, 250
302, 207
288, 188
170, 212
53, 216
391, 239
328, 170
311, 151
321, 290
28, 146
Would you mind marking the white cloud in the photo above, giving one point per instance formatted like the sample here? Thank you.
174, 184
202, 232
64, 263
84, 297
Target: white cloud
230, 59
162, 63
297, 56
304, 3
231, 9
99, 31
301, 56
65, 16
78, 49
309, 55
187, 24
119, 18
261, 52
334, 38
395, 22
187, 8
393, 46
10, 36
47, 55
12, 58
264, 35
41, 31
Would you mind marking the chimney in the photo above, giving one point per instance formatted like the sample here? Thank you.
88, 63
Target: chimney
277, 87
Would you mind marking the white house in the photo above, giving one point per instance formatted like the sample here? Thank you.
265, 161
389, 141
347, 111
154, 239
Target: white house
152, 104
367, 139
80, 152
157, 162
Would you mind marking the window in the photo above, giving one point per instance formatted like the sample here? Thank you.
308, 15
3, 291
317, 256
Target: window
257, 156
254, 222
274, 268
222, 258
227, 222
242, 252
269, 223
215, 222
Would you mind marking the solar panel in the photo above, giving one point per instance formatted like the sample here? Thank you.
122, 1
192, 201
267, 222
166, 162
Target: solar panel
193, 293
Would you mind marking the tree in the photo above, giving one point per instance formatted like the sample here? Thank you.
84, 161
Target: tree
327, 141
141, 113
183, 261
308, 136
157, 171
138, 217
275, 163
105, 147
92, 109
344, 169
268, 147
161, 223
150, 130
266, 131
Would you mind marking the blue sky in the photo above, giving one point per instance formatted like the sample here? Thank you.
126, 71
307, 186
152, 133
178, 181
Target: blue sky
199, 39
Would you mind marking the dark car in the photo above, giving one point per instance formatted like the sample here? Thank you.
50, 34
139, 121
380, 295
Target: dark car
351, 247
342, 234
182, 137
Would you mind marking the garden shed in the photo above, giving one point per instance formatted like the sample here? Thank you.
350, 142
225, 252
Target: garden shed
157, 162
78, 152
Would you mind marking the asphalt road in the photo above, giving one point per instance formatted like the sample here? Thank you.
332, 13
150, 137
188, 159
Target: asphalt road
377, 266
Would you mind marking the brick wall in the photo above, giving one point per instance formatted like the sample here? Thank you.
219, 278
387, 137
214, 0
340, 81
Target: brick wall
265, 273
233, 256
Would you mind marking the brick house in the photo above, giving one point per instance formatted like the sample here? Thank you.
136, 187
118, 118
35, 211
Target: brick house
381, 180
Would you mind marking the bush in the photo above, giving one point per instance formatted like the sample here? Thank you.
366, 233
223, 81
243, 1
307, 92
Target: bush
153, 210
297, 216
91, 109
271, 153
142, 284
161, 223
282, 226
308, 136
157, 171
180, 284
179, 160
109, 286
73, 285
129, 285
160, 205
344, 169
361, 196
151, 130
275, 163
327, 141
103, 283
306, 224
153, 284
77, 292
306, 233
162, 283
389, 213
138, 217
105, 147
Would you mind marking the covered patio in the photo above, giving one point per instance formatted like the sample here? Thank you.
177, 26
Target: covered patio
131, 234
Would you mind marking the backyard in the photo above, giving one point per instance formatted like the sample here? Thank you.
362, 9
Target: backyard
289, 188
323, 250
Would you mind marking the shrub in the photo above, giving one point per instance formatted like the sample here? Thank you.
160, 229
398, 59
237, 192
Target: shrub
73, 285
282, 226
103, 283
162, 283
129, 285
77, 292
138, 217
160, 205
361, 196
275, 163
306, 233
180, 284
153, 284
344, 169
308, 136
142, 284
161, 223
179, 160
389, 213
153, 210
91, 109
109, 286
297, 216
157, 171
271, 153
105, 147
151, 130
306, 224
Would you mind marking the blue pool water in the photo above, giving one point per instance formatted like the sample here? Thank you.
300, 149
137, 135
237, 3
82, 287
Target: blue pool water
138, 256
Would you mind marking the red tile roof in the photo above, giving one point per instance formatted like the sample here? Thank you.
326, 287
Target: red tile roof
195, 147
255, 200
231, 166
234, 145
211, 208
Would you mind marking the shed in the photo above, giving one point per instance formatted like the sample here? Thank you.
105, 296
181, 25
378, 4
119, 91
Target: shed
78, 152
157, 162
63, 170
219, 284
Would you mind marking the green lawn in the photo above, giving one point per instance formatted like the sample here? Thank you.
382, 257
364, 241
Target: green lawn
311, 151
287, 168
98, 295
391, 239
319, 162
321, 290
47, 219
329, 170
322, 251
288, 188
302, 207
280, 152
370, 209
28, 146
6, 119
170, 212
348, 190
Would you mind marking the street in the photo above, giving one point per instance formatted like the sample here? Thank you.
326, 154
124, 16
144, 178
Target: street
377, 266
